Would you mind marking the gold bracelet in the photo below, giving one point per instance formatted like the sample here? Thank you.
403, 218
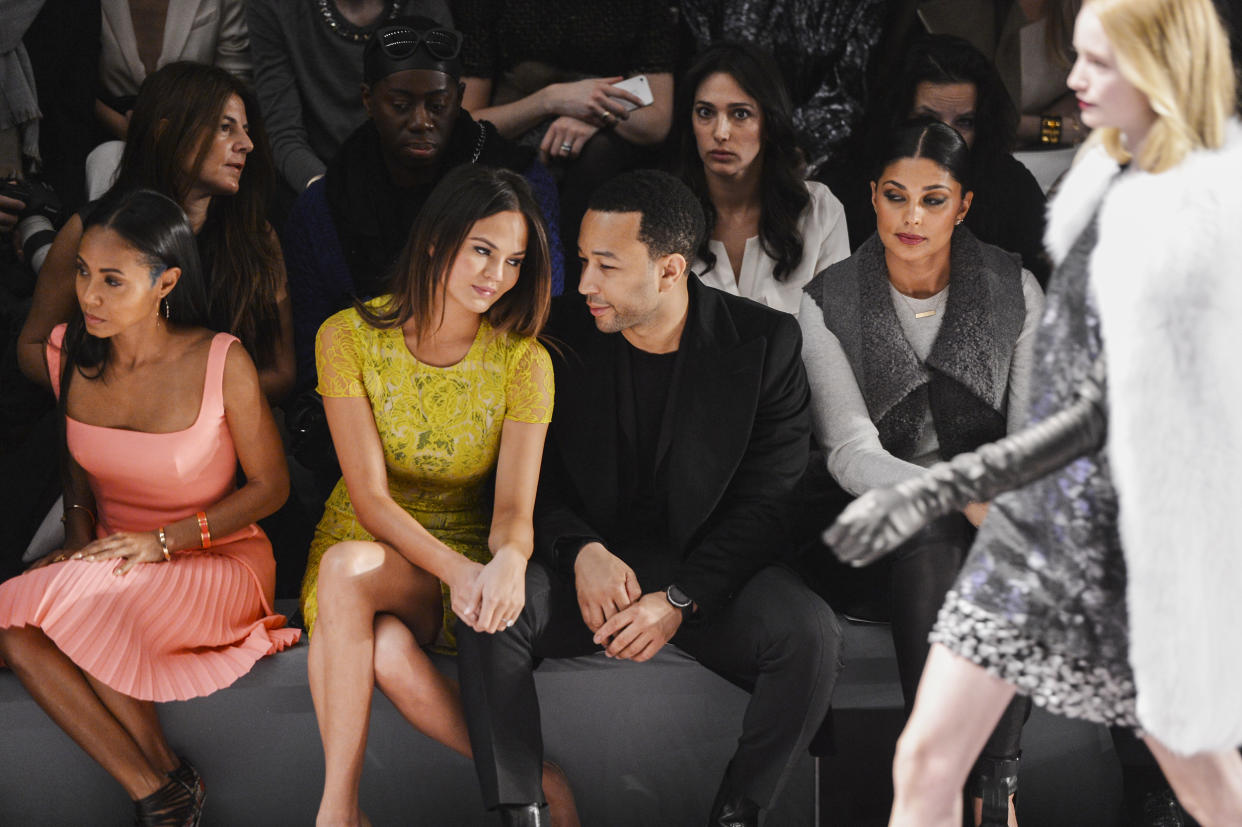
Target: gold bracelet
163, 538
64, 518
1050, 129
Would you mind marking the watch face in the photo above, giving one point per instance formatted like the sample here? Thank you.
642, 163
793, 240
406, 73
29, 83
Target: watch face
678, 598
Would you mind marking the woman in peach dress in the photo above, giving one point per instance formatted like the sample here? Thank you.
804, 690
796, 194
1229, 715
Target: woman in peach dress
164, 588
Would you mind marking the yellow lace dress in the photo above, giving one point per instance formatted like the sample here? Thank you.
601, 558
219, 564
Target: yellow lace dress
440, 429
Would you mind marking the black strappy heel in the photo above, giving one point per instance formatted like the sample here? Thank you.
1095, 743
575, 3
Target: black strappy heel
179, 803
186, 774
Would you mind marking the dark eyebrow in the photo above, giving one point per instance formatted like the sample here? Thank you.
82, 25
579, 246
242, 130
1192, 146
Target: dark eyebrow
936, 187
600, 253
896, 184
729, 105
82, 263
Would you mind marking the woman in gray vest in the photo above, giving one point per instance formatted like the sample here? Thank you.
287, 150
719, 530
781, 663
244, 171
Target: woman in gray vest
919, 347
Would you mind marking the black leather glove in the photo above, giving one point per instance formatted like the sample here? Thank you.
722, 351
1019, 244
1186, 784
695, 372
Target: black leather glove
884, 518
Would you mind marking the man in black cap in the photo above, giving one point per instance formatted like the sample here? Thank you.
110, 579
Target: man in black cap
346, 230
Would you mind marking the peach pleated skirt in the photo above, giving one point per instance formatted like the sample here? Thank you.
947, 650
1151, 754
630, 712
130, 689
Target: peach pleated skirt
162, 632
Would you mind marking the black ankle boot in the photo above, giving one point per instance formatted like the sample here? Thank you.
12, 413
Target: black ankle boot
732, 809
994, 780
523, 815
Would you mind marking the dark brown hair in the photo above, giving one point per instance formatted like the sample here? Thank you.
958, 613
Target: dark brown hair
419, 279
175, 116
783, 194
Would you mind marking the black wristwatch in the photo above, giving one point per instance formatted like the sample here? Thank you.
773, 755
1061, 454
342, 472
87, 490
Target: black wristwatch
679, 600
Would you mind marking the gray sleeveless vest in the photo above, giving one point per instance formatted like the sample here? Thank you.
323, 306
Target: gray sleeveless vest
966, 376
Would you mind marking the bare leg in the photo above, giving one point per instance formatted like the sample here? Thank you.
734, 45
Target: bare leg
60, 687
956, 709
431, 702
141, 721
357, 582
419, 691
1208, 784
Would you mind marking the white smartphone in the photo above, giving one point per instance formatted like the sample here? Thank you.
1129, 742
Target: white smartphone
638, 87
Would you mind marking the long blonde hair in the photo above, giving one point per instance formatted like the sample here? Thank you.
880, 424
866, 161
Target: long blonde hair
1176, 53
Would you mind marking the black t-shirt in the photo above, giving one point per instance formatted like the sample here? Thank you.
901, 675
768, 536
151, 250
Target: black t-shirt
645, 384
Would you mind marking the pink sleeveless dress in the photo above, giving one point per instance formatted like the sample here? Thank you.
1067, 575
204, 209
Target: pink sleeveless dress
164, 631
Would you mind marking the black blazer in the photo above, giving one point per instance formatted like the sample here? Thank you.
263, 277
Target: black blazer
733, 449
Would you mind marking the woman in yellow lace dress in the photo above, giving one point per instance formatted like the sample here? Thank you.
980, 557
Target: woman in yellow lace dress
429, 392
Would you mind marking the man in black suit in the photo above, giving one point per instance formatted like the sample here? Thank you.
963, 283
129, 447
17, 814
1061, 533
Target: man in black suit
672, 453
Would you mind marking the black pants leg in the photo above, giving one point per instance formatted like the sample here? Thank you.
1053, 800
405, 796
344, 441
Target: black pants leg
779, 641
498, 686
924, 569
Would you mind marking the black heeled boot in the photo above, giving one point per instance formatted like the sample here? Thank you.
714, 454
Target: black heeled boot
523, 815
732, 809
994, 780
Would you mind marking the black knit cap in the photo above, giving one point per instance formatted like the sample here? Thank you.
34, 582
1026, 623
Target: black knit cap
412, 43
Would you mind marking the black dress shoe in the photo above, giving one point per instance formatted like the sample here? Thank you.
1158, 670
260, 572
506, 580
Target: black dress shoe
523, 815
732, 809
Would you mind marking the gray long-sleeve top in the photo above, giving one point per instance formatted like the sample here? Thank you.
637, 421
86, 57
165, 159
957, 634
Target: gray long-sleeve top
856, 459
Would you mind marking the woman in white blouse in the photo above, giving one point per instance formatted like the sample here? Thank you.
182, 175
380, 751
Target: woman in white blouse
769, 230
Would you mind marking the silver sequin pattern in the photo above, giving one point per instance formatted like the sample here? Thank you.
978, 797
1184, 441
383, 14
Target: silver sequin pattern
1040, 601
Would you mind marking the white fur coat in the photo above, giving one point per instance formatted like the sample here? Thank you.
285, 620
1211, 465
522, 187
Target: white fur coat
1167, 277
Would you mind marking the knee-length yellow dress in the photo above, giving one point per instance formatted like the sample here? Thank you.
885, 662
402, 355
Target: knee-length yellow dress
439, 427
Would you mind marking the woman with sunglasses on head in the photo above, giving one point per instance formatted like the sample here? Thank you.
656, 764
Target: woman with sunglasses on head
918, 347
769, 230
196, 136
431, 392
163, 590
345, 232
307, 66
1106, 587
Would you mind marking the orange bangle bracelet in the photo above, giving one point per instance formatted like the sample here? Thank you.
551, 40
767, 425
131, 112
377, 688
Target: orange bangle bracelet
204, 530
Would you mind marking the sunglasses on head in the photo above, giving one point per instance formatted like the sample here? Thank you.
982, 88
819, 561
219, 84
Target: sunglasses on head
400, 42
